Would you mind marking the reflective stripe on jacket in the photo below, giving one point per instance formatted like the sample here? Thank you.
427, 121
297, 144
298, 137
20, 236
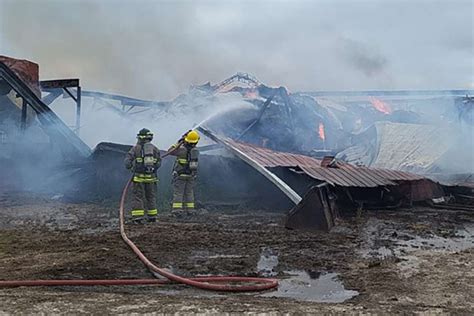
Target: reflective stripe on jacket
135, 160
186, 160
144, 178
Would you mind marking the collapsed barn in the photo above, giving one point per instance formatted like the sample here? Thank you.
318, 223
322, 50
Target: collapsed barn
320, 156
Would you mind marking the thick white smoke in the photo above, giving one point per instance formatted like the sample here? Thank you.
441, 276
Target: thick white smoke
156, 49
102, 123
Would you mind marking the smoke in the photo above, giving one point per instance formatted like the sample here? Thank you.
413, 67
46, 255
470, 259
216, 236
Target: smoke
156, 49
363, 58
28, 160
106, 123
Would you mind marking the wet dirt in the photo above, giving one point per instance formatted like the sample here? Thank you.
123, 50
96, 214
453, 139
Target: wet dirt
406, 261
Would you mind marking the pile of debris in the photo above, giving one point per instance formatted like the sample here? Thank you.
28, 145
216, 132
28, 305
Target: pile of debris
357, 127
331, 187
320, 155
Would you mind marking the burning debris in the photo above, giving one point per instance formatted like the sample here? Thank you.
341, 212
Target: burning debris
380, 106
356, 153
115, 173
318, 162
331, 187
321, 133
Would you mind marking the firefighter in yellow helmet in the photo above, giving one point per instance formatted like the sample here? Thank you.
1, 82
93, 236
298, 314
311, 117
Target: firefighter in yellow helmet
184, 171
144, 160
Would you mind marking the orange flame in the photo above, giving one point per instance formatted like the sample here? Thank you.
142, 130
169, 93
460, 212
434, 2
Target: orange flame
321, 131
380, 105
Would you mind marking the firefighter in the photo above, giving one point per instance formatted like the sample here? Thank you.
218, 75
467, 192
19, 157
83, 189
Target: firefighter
184, 171
144, 160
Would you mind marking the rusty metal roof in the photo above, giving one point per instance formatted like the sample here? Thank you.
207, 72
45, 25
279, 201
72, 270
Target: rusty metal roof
356, 177
269, 158
342, 175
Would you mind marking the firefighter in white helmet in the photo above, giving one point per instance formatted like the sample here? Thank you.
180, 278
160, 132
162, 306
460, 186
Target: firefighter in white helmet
185, 171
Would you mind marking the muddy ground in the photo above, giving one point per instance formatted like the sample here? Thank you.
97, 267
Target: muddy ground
406, 261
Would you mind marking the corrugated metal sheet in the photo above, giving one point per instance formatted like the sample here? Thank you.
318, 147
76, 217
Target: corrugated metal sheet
395, 175
357, 177
269, 158
400, 146
420, 190
425, 189
410, 147
345, 175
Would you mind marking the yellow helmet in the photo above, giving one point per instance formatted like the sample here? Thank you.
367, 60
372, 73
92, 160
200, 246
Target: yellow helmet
192, 137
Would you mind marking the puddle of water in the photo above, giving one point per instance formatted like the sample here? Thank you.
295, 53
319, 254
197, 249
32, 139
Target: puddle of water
326, 288
464, 240
267, 263
311, 286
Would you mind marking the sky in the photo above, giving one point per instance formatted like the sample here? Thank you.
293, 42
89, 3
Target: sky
157, 49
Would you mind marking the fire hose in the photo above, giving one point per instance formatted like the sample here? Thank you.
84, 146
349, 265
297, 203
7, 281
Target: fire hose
214, 283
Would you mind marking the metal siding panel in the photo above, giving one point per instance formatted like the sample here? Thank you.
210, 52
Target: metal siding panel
375, 177
346, 175
388, 174
302, 161
411, 176
336, 176
368, 180
316, 174
333, 177
276, 161
371, 179
287, 160
261, 156
383, 174
391, 174
353, 176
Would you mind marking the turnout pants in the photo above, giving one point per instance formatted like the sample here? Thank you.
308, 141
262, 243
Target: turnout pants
144, 198
183, 192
